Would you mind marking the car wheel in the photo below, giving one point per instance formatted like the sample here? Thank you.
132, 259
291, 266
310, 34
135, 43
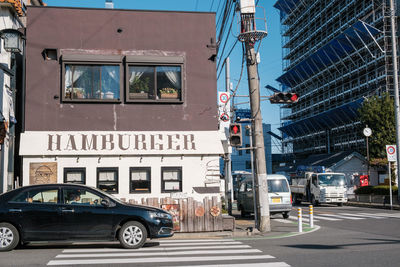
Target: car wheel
9, 237
340, 204
132, 235
243, 214
285, 215
313, 201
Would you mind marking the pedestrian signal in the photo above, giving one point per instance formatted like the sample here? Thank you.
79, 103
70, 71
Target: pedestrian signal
235, 134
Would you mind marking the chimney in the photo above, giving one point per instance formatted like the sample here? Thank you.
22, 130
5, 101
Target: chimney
109, 4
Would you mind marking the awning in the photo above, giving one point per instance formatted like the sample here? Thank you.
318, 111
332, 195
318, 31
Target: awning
343, 45
286, 6
323, 121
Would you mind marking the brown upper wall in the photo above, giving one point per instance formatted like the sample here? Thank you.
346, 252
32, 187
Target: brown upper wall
95, 31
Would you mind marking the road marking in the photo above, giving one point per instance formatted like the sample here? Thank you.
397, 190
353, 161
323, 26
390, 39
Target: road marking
341, 217
163, 253
193, 240
316, 217
386, 215
263, 264
362, 215
282, 220
158, 248
161, 259
209, 243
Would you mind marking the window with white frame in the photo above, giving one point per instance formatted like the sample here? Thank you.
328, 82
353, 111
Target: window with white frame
171, 179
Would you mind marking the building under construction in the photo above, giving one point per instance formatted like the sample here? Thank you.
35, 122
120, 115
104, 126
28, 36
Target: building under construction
335, 53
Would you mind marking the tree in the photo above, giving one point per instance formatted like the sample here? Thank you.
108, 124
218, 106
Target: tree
378, 113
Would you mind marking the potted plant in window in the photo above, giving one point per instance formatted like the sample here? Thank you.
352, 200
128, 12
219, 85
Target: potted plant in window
139, 88
169, 93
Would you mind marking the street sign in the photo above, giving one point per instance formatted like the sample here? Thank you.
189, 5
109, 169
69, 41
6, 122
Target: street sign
223, 98
391, 153
224, 117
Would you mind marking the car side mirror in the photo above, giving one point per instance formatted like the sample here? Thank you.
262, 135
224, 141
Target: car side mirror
105, 202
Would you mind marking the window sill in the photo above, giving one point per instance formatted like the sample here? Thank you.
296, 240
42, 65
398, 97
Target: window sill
114, 101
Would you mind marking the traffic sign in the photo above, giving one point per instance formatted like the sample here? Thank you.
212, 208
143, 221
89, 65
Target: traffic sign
224, 117
391, 153
223, 97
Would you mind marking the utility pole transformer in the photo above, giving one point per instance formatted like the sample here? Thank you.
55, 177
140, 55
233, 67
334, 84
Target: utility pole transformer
249, 34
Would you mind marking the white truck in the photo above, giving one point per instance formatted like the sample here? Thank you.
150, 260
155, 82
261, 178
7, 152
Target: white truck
319, 188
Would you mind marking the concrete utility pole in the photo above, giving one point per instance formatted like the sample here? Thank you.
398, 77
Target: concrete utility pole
228, 166
396, 84
249, 35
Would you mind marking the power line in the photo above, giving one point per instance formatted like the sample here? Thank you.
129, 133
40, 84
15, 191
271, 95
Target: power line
212, 3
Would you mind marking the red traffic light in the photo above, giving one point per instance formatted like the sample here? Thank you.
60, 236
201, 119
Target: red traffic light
294, 97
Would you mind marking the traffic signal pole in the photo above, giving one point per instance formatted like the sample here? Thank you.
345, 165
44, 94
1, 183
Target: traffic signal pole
261, 186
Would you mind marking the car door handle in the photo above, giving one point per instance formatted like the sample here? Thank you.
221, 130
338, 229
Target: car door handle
68, 211
15, 210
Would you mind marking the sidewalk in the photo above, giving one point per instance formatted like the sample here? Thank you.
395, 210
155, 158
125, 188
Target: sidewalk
244, 228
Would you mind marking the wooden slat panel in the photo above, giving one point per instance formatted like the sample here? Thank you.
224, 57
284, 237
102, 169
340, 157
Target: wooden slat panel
190, 214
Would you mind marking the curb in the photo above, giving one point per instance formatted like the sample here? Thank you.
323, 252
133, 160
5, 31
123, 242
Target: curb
242, 234
372, 205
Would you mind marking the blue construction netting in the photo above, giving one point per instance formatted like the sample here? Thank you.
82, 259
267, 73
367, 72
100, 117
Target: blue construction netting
286, 6
323, 121
340, 47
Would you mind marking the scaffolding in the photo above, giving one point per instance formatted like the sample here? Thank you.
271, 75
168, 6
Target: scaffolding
335, 53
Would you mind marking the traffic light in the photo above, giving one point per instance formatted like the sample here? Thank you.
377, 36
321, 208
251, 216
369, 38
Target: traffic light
284, 98
235, 134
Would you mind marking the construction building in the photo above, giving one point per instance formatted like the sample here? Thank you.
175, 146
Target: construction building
335, 53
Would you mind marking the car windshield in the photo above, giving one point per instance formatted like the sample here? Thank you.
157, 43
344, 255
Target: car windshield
277, 185
332, 179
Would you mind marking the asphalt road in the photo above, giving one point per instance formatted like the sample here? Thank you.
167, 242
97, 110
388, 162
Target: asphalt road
349, 236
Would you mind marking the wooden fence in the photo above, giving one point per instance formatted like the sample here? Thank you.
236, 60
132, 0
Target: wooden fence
190, 215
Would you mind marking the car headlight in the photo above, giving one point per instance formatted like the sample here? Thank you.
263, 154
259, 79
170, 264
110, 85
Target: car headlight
161, 215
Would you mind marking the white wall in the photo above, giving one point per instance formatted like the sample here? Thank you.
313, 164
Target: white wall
193, 171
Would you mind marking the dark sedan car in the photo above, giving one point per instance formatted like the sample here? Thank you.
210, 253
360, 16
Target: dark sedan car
55, 212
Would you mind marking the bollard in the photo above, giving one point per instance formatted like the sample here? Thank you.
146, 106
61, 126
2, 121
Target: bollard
311, 216
300, 220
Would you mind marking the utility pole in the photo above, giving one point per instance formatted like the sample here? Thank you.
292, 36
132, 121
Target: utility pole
396, 85
249, 35
228, 165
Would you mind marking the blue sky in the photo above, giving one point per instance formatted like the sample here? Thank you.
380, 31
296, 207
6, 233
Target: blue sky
270, 50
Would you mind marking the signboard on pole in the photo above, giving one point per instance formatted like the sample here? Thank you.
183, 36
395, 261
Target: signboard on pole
391, 153
224, 110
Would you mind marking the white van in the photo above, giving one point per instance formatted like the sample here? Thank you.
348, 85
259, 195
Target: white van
280, 200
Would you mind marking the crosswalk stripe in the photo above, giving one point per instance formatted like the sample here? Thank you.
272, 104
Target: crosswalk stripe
209, 243
341, 217
193, 240
362, 215
282, 221
307, 216
163, 253
161, 259
316, 217
261, 264
390, 215
158, 248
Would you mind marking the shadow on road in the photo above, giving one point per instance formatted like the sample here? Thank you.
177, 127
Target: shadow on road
327, 247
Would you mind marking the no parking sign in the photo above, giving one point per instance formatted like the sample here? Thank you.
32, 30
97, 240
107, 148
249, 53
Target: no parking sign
391, 153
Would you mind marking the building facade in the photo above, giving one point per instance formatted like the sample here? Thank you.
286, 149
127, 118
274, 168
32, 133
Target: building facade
122, 100
335, 53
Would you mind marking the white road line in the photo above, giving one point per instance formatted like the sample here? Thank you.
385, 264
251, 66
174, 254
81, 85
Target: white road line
158, 248
261, 264
342, 217
193, 240
163, 253
383, 215
315, 217
162, 259
362, 215
209, 243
